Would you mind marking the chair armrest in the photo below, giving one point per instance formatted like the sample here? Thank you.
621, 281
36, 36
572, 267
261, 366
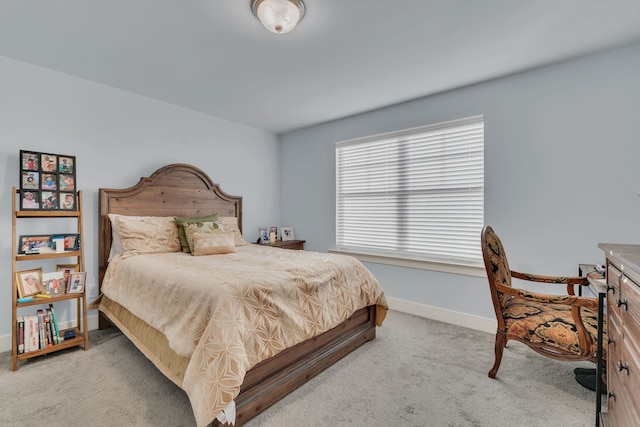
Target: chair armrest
550, 279
569, 281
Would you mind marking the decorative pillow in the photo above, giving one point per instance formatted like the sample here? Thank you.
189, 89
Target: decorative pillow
181, 221
192, 228
230, 225
148, 234
213, 244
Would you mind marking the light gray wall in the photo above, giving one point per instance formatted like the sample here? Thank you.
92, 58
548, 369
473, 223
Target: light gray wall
118, 137
560, 143
562, 171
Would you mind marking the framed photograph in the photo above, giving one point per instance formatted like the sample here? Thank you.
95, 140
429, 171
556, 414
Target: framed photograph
49, 182
66, 270
30, 180
30, 200
45, 178
30, 161
66, 164
49, 200
35, 244
287, 233
49, 162
54, 282
71, 241
76, 282
68, 201
273, 233
29, 282
67, 182
264, 234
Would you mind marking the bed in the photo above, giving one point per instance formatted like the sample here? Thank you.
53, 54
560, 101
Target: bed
261, 360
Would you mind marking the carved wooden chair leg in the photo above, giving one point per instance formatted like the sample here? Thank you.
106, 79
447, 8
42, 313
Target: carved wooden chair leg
501, 342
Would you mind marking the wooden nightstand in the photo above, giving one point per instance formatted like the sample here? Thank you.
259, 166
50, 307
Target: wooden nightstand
287, 244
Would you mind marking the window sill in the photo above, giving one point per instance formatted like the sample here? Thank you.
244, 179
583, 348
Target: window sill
469, 270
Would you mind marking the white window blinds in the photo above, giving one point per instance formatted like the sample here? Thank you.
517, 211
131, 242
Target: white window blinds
417, 193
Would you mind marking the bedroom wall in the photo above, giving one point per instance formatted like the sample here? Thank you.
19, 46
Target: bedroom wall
561, 174
118, 137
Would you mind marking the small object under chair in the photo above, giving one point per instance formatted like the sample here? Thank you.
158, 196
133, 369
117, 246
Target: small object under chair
586, 377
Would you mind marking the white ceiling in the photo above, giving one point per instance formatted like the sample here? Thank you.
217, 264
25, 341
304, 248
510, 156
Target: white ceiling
344, 58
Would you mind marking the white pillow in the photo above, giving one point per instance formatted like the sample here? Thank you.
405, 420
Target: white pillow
145, 234
148, 234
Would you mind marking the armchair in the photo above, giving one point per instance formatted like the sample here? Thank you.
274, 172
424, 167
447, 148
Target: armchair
562, 327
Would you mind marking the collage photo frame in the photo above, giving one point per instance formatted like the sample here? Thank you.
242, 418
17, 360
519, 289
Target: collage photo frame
47, 181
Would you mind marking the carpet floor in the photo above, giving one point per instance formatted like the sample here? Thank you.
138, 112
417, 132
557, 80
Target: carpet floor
417, 372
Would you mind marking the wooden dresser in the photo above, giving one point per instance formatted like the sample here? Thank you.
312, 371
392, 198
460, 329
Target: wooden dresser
623, 335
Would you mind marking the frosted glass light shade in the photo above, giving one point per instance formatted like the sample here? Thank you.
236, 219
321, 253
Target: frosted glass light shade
278, 16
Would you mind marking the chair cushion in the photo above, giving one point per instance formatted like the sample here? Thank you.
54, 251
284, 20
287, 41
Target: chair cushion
549, 324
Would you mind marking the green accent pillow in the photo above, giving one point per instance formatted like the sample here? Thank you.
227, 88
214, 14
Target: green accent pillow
184, 220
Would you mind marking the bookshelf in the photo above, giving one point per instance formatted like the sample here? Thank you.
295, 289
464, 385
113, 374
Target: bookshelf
81, 332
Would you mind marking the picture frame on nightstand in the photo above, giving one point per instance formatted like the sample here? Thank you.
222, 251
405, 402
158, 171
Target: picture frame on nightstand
273, 234
287, 234
264, 235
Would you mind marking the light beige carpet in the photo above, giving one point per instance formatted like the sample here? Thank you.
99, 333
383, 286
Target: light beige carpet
417, 372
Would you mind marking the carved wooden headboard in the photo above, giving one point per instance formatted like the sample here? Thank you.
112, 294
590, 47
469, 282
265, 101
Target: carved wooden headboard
173, 190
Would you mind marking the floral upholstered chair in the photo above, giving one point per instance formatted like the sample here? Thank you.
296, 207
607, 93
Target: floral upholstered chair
563, 327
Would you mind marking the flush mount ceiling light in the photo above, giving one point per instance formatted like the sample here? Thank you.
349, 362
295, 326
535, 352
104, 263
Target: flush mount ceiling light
278, 16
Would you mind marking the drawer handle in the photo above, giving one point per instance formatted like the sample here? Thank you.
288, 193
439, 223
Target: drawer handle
611, 341
620, 302
611, 395
611, 288
622, 367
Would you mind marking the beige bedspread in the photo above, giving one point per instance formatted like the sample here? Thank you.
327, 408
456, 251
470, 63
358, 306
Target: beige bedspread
229, 312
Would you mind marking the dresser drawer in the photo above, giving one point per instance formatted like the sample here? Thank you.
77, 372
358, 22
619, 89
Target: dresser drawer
613, 288
630, 305
630, 374
613, 279
614, 344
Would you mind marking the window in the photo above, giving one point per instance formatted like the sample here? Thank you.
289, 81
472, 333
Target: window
414, 194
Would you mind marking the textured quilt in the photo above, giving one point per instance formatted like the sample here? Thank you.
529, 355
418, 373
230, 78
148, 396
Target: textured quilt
229, 312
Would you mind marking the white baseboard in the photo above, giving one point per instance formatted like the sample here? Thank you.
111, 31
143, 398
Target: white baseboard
435, 313
92, 321
456, 318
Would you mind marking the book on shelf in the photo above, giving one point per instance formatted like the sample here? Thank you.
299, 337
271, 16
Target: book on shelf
41, 329
48, 330
20, 334
38, 331
32, 341
52, 313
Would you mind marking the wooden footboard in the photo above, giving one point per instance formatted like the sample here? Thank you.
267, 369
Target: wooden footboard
268, 381
271, 380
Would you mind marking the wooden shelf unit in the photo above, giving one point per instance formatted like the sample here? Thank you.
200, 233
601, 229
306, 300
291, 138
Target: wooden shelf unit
81, 330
